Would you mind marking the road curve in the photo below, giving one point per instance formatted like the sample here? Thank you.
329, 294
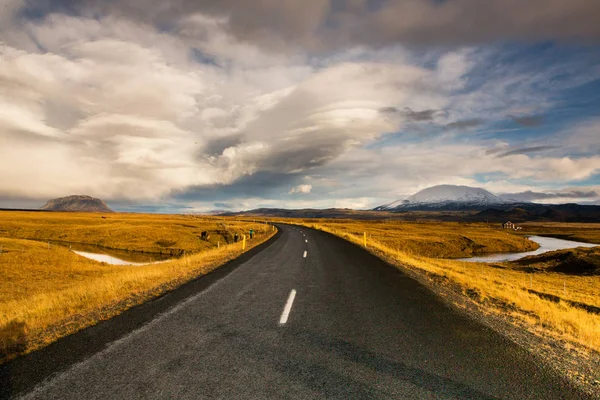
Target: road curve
310, 316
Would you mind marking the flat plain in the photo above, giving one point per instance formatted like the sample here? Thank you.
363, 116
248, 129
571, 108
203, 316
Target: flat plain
47, 291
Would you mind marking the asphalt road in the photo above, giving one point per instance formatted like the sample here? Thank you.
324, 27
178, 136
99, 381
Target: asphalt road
308, 317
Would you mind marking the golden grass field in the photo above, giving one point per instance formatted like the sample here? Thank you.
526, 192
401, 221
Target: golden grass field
435, 239
167, 234
547, 303
47, 292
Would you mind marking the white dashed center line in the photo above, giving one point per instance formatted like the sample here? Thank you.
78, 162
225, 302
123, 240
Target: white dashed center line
288, 307
305, 253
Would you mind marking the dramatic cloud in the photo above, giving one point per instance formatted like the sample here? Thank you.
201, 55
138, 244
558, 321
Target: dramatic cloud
225, 206
148, 121
464, 124
214, 103
323, 24
375, 171
419, 116
301, 189
529, 120
525, 150
425, 22
533, 196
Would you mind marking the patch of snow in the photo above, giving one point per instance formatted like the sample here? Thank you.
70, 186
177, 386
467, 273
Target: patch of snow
446, 196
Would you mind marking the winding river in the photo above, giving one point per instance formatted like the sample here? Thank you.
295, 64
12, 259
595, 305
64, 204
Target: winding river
546, 244
106, 258
113, 256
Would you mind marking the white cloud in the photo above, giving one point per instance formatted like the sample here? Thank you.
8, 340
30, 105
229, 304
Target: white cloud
584, 137
301, 189
133, 111
399, 170
119, 109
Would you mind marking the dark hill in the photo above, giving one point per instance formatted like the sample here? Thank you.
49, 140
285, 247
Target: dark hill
517, 212
494, 214
77, 203
312, 213
541, 212
579, 261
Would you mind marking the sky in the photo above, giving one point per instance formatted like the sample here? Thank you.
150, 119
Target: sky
191, 106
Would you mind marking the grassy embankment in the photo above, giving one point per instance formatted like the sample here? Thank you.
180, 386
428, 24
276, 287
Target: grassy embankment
539, 298
47, 292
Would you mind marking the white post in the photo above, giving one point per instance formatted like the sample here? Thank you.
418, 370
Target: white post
218, 244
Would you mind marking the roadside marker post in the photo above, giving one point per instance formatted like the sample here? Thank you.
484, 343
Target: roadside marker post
365, 238
244, 242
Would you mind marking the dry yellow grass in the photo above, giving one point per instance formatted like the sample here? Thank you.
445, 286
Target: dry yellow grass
430, 239
47, 293
154, 233
497, 288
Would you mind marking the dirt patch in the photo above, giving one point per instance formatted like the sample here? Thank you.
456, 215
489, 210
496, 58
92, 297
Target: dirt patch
13, 338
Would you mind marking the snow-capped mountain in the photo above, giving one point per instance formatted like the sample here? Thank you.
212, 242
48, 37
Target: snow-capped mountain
446, 197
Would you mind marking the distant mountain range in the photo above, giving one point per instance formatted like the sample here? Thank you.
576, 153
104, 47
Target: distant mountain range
541, 212
449, 203
77, 203
443, 202
311, 213
463, 198
490, 206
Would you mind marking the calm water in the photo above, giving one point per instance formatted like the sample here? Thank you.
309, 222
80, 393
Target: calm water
114, 257
546, 244
106, 258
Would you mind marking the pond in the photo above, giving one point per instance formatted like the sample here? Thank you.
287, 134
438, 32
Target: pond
546, 244
112, 256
